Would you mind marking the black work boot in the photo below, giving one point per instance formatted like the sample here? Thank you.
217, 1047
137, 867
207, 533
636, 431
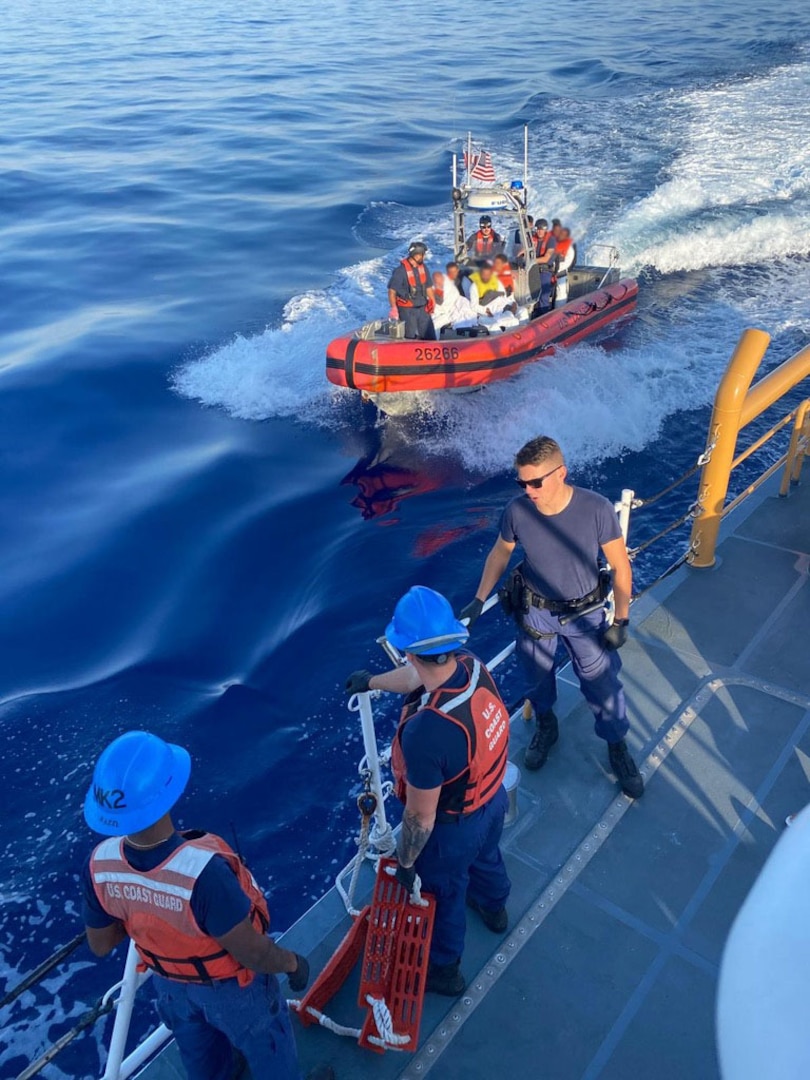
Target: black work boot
626, 770
445, 979
543, 739
321, 1072
496, 921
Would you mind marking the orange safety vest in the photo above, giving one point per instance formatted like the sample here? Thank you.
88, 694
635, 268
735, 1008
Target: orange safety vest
506, 278
485, 245
412, 289
155, 908
478, 710
542, 245
563, 247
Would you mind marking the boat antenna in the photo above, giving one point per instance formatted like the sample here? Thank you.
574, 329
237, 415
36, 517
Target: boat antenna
469, 155
526, 166
455, 170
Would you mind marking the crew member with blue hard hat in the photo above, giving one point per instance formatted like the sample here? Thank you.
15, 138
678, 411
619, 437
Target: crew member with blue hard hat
448, 757
194, 913
558, 592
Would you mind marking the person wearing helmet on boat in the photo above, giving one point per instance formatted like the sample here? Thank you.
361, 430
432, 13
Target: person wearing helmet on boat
410, 294
566, 260
194, 913
449, 758
562, 529
546, 251
485, 243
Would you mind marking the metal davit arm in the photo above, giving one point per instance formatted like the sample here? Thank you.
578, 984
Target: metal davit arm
736, 405
723, 431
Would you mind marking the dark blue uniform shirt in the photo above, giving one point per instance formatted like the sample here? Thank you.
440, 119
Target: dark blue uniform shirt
561, 551
217, 900
399, 283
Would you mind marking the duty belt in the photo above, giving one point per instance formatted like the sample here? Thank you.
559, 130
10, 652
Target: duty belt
564, 607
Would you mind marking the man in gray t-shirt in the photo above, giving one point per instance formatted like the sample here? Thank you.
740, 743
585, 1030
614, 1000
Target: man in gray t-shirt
562, 529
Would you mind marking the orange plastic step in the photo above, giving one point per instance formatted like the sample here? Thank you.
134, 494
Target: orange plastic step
395, 960
333, 976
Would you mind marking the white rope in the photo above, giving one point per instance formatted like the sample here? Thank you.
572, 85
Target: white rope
416, 891
385, 1025
325, 1021
362, 848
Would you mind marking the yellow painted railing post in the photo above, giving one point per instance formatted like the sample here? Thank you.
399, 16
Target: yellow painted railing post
722, 443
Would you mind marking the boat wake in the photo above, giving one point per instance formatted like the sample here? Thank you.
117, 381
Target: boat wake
730, 199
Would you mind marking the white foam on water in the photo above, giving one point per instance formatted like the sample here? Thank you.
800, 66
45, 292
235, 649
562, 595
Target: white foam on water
738, 189
598, 403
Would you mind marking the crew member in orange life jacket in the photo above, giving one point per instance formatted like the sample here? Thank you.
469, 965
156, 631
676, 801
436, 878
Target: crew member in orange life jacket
195, 914
566, 260
485, 243
448, 757
547, 260
410, 294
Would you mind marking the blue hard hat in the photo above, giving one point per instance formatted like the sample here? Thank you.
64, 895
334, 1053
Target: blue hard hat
137, 779
424, 624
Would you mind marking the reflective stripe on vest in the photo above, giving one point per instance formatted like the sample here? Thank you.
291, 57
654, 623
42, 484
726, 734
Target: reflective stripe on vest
155, 908
481, 714
412, 287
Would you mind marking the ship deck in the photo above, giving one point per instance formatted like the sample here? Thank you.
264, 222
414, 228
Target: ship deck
620, 910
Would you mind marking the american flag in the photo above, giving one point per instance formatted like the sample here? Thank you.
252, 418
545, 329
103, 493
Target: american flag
479, 166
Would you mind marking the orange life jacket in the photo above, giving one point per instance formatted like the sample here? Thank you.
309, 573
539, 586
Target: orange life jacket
485, 245
506, 278
563, 247
155, 908
542, 245
412, 288
478, 710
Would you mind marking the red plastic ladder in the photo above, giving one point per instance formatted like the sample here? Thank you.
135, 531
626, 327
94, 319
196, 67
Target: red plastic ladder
394, 937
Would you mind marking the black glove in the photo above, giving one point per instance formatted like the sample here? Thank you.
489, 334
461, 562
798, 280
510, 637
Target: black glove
406, 876
299, 978
616, 635
472, 611
357, 682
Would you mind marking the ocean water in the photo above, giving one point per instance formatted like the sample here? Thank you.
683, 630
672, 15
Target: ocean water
202, 537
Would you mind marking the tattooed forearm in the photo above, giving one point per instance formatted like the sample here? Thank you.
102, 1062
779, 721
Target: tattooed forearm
412, 839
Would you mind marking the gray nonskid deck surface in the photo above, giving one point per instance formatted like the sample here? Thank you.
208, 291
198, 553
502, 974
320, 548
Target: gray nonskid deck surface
619, 910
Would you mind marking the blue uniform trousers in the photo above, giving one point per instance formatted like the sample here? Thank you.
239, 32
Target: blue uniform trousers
596, 667
207, 1021
463, 859
418, 324
545, 291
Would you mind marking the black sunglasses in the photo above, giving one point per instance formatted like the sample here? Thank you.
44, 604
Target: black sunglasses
536, 483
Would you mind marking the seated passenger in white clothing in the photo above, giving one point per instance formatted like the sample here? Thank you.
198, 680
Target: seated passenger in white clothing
450, 306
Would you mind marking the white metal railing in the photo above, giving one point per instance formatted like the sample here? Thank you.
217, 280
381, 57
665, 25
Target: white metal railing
118, 1066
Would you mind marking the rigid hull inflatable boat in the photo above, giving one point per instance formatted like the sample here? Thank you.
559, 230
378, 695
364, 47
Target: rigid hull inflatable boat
377, 359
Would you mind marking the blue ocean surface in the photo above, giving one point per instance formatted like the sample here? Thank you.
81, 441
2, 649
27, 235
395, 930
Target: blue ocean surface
200, 536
